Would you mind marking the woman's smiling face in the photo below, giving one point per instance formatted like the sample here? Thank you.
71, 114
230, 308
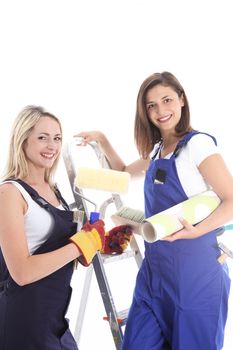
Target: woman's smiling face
164, 107
44, 143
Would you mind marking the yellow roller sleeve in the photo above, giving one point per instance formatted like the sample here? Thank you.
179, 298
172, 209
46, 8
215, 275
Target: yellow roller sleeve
88, 242
103, 179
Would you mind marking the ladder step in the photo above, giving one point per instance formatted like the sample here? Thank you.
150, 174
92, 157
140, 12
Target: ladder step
121, 317
106, 258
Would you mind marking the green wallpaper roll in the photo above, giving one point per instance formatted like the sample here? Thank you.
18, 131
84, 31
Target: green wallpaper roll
194, 210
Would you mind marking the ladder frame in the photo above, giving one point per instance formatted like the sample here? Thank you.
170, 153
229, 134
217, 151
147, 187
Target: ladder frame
98, 262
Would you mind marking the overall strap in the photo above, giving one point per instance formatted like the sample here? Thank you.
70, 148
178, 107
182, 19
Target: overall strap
157, 150
59, 196
37, 198
186, 139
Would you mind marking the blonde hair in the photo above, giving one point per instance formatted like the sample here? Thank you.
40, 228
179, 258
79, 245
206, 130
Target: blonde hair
17, 167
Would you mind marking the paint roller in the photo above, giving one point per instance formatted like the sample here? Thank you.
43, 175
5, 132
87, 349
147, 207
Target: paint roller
103, 179
194, 210
108, 180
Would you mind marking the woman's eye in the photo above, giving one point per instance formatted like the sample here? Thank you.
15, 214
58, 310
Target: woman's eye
167, 100
150, 106
42, 138
58, 138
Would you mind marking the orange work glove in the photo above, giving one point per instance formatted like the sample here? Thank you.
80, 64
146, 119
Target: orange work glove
89, 240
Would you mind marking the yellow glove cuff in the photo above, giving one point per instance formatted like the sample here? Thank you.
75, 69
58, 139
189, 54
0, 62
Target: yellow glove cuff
88, 243
124, 246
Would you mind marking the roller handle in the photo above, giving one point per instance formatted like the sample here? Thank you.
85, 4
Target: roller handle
94, 216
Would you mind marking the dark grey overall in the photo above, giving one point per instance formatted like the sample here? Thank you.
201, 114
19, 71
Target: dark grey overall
32, 317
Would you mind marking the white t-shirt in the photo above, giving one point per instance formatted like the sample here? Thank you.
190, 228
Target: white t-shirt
38, 221
198, 148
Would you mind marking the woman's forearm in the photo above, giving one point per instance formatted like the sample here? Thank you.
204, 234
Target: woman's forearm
38, 266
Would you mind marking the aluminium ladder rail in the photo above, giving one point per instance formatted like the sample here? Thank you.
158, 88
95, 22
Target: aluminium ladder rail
116, 319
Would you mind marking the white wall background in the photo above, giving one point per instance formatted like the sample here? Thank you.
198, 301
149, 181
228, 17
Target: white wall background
85, 60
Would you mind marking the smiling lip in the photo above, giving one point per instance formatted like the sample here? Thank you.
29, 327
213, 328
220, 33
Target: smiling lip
48, 156
165, 119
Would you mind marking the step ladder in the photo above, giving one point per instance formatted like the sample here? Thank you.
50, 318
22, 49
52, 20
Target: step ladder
116, 319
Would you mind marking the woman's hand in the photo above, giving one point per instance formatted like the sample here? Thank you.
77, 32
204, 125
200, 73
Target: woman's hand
187, 232
85, 137
136, 169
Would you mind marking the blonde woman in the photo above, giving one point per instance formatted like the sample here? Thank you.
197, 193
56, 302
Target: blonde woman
38, 239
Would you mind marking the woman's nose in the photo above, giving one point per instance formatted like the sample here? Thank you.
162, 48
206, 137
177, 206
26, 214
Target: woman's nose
159, 109
51, 144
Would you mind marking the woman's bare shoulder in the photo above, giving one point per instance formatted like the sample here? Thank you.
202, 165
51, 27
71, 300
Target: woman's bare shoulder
9, 193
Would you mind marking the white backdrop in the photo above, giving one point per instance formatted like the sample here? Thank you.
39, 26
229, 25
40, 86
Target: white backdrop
85, 60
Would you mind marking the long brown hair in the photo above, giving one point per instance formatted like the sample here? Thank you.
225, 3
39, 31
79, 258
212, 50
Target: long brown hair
146, 134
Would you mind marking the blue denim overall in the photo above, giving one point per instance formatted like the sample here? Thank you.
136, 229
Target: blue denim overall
181, 294
32, 317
